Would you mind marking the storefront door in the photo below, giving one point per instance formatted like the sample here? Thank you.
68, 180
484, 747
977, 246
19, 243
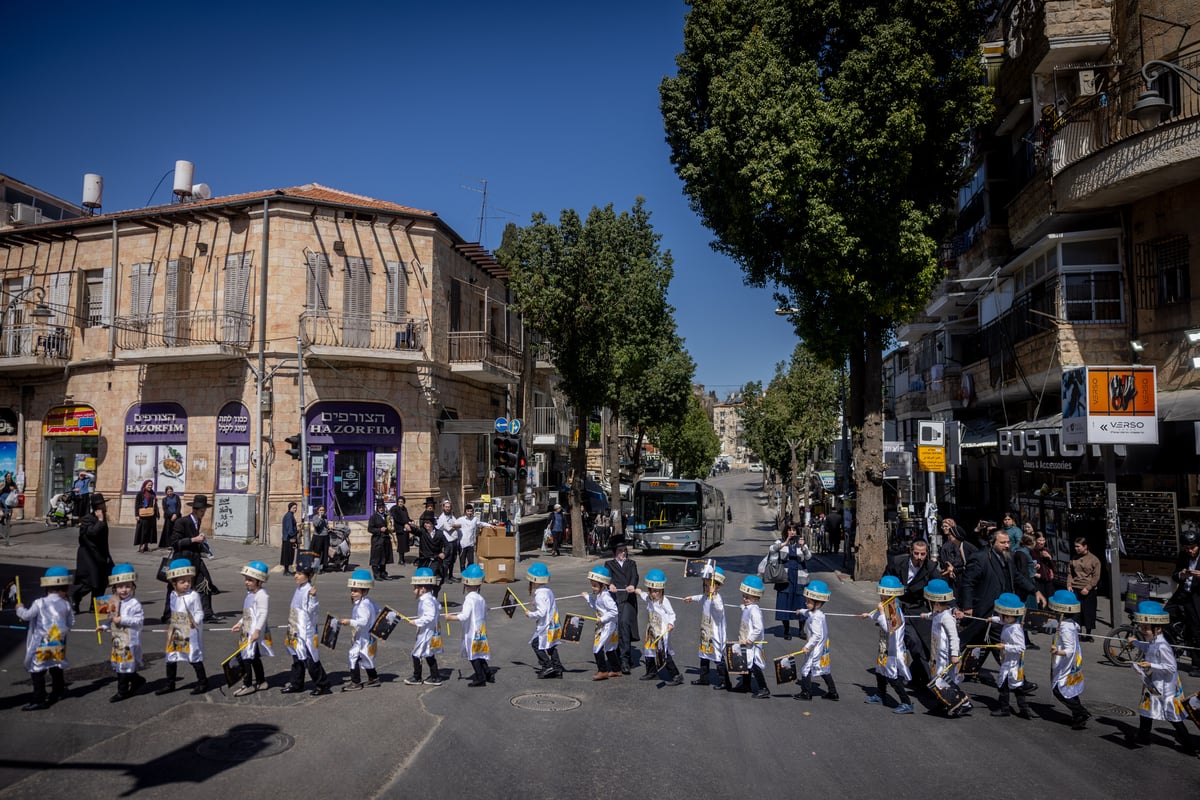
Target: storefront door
349, 482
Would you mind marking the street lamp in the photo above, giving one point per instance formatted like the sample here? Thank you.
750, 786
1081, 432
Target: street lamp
1150, 108
40, 311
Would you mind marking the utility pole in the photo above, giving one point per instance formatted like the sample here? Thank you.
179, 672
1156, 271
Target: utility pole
304, 513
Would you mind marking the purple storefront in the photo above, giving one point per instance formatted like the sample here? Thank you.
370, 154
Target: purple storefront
353, 456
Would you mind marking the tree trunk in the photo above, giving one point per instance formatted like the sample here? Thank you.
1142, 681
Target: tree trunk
793, 478
614, 461
578, 471
866, 420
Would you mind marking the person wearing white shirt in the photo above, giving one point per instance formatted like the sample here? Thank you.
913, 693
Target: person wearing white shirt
468, 532
448, 524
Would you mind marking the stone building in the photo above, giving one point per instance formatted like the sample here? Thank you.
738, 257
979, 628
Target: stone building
166, 344
1073, 249
727, 422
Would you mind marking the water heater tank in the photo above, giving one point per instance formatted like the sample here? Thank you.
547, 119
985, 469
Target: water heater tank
183, 178
93, 190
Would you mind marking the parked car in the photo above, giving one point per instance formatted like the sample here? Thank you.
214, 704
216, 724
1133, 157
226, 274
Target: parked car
756, 467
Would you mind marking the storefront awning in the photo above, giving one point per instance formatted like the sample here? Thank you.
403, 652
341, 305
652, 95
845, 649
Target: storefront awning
978, 433
1182, 405
1041, 423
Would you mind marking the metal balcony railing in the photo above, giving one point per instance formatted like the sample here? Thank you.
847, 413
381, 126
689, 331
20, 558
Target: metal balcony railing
550, 421
364, 331
184, 329
1099, 122
479, 347
32, 340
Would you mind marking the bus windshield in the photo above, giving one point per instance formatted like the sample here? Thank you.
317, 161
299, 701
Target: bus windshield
655, 510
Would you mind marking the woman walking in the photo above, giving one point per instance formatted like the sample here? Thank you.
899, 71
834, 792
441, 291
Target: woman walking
792, 550
146, 532
171, 506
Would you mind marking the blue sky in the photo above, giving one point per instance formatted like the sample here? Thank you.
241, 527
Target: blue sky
555, 104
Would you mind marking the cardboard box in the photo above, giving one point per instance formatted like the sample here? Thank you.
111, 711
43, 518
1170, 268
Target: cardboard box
495, 547
499, 570
491, 530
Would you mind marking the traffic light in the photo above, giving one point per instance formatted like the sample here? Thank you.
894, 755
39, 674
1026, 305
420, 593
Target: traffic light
522, 461
505, 455
294, 450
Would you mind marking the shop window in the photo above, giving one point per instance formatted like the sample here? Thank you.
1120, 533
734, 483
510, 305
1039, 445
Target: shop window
349, 474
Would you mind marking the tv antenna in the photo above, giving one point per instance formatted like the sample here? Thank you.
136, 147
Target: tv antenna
483, 208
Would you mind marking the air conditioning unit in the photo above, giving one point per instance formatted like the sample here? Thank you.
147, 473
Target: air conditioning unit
25, 214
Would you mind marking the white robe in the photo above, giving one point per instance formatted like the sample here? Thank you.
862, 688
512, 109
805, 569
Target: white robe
302, 636
50, 619
429, 639
126, 655
605, 639
816, 648
1162, 693
545, 610
751, 630
1012, 661
254, 618
1067, 671
363, 645
660, 617
892, 660
712, 626
185, 631
944, 638
473, 618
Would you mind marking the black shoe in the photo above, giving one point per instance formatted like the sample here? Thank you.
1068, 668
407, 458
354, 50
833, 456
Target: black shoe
170, 687
676, 681
290, 689
832, 696
649, 676
553, 672
136, 683
624, 669
1079, 723
36, 705
804, 696
201, 687
1029, 687
1001, 712
320, 690
477, 682
762, 694
700, 681
787, 637
1025, 713
119, 696
491, 676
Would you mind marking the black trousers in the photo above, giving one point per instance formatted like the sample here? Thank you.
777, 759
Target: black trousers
1087, 611
627, 620
882, 682
1073, 704
1022, 692
58, 684
316, 671
722, 671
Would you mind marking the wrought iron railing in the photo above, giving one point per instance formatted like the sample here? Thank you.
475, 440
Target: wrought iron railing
477, 346
184, 329
364, 331
32, 340
1100, 121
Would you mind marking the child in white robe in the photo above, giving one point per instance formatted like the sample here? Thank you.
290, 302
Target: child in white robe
660, 621
712, 628
302, 637
361, 620
816, 648
185, 628
428, 643
50, 619
604, 642
125, 623
473, 618
254, 628
891, 665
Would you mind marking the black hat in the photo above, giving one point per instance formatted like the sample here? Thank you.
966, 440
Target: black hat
97, 500
380, 502
429, 501
199, 501
617, 541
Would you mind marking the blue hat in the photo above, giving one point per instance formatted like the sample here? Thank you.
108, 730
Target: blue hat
1064, 602
817, 590
306, 562
890, 586
752, 586
472, 575
56, 576
938, 591
361, 579
656, 579
423, 577
1009, 605
122, 573
256, 570
715, 573
538, 573
180, 568
1151, 613
600, 575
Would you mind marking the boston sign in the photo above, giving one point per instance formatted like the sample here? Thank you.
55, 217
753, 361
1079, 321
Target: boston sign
1038, 449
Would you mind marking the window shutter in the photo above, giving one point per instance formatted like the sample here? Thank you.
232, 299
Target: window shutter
105, 304
60, 297
397, 292
175, 303
236, 326
141, 290
356, 302
317, 294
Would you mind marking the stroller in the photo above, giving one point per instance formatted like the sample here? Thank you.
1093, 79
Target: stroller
59, 512
339, 549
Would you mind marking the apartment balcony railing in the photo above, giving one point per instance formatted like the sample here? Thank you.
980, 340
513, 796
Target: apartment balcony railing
1101, 122
550, 425
483, 356
330, 331
28, 346
207, 330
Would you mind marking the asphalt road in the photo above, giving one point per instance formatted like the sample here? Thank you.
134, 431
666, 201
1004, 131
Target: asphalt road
557, 738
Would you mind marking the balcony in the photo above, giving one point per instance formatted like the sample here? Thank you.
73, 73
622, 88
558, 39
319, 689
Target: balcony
551, 427
482, 357
944, 393
200, 335
1101, 159
369, 339
542, 361
30, 349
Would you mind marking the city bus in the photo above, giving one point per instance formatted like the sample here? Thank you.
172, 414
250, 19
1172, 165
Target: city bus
685, 515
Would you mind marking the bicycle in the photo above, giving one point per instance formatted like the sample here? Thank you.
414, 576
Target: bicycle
1119, 646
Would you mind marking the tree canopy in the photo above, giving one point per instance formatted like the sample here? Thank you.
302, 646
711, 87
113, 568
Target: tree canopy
822, 142
689, 441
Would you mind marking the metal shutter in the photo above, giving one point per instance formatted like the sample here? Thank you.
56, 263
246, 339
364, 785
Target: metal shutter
236, 327
397, 292
141, 291
175, 303
317, 294
356, 303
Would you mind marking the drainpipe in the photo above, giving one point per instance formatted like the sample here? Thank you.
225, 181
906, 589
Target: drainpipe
262, 526
112, 296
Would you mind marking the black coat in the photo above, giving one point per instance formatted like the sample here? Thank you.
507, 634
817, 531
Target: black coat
93, 562
430, 543
623, 576
988, 576
381, 540
914, 594
402, 522
184, 530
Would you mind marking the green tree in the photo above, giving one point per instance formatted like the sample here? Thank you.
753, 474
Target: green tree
654, 389
822, 142
595, 291
689, 441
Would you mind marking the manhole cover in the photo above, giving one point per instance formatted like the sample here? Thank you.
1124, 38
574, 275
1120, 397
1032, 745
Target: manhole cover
244, 743
1110, 710
539, 701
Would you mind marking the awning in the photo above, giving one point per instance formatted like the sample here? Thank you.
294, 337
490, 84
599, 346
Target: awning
978, 433
1052, 421
1181, 405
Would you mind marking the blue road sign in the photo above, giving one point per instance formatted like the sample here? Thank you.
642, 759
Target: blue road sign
501, 425
514, 427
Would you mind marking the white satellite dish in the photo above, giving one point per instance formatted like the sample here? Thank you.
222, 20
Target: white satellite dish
201, 191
